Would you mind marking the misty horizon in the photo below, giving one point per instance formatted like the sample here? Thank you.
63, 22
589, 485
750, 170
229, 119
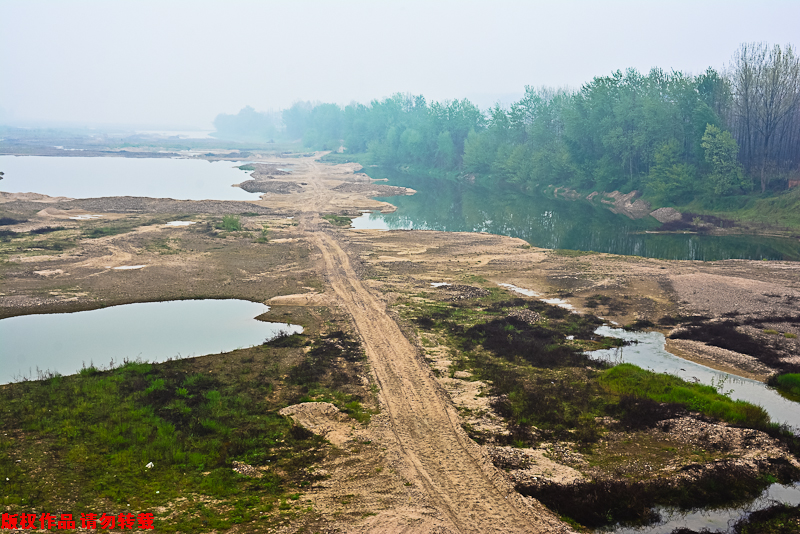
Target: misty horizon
177, 65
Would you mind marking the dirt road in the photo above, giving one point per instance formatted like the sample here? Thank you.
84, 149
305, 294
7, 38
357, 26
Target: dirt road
460, 482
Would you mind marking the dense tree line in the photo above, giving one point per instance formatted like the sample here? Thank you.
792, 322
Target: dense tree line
672, 135
765, 112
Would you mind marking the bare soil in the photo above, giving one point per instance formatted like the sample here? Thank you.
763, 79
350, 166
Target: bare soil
413, 469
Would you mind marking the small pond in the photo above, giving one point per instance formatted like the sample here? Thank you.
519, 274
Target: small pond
83, 177
152, 331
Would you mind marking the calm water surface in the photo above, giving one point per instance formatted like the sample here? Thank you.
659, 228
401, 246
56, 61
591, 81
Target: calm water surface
718, 520
557, 224
80, 177
152, 331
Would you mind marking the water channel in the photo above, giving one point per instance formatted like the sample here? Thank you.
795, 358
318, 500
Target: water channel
715, 520
555, 223
152, 331
647, 350
84, 177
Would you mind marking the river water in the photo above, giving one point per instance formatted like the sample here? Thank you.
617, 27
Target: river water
152, 331
82, 177
554, 223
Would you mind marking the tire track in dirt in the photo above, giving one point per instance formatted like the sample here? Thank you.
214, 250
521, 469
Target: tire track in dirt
458, 478
468, 491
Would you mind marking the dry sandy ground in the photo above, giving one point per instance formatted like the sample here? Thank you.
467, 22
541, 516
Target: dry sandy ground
418, 471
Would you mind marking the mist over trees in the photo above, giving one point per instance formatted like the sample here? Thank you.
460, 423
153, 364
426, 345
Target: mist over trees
671, 135
248, 125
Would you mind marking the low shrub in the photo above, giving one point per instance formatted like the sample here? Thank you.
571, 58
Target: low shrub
337, 220
230, 223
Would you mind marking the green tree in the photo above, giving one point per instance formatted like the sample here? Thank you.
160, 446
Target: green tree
721, 152
478, 154
412, 146
445, 151
670, 178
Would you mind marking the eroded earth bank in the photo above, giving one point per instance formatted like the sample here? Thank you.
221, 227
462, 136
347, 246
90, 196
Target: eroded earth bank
475, 402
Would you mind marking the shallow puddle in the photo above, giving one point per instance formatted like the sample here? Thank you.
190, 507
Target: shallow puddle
520, 290
152, 331
716, 521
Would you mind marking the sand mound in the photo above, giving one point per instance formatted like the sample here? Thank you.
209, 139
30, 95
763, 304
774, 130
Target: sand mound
323, 419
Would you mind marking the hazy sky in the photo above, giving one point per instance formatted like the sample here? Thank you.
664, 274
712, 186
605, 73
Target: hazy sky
179, 63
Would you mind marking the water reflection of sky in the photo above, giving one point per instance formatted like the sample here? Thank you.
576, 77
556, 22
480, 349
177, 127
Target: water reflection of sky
86, 177
718, 520
153, 331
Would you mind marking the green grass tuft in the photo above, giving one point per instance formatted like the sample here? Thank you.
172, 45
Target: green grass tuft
628, 379
230, 223
337, 220
787, 384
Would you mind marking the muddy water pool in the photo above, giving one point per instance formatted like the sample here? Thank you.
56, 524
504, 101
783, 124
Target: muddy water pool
152, 331
84, 177
718, 520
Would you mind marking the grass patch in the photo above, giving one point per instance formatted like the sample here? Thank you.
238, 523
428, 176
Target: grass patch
337, 220
777, 519
572, 253
5, 221
46, 230
247, 167
95, 432
787, 384
163, 246
122, 226
36, 241
105, 231
628, 379
263, 236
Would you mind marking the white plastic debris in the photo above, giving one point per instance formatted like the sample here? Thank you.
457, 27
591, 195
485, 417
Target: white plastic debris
149, 465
